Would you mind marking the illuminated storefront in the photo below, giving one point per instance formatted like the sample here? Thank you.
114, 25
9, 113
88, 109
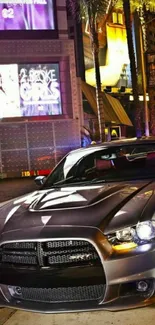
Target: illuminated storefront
117, 59
113, 54
39, 93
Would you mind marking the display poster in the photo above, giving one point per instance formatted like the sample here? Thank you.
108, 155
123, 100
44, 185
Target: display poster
26, 15
30, 90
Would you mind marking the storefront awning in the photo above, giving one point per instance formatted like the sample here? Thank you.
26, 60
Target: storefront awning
113, 110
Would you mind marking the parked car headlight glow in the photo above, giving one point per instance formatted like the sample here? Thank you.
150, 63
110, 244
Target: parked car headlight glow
131, 237
145, 230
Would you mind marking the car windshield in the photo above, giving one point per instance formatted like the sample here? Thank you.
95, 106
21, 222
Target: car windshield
115, 163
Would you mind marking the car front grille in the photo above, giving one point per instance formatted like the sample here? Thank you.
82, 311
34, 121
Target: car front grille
52, 271
46, 254
54, 295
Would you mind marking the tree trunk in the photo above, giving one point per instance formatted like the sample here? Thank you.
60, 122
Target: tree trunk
149, 18
138, 117
99, 97
152, 111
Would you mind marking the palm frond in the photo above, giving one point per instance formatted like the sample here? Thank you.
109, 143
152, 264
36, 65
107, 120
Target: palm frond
137, 5
81, 8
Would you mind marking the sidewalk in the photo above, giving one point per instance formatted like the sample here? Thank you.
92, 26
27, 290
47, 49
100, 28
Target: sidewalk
141, 316
6, 314
11, 188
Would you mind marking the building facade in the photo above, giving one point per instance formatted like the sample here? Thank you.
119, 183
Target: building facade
41, 107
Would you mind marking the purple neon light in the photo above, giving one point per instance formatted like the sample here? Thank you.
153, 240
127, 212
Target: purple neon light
26, 15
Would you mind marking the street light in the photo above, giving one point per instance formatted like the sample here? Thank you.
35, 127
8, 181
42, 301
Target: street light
141, 98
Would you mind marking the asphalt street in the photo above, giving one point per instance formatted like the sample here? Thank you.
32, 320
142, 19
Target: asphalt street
143, 316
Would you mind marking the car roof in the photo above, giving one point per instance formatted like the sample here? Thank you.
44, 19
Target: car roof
114, 143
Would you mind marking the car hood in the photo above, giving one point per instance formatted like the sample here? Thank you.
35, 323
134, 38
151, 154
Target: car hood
106, 207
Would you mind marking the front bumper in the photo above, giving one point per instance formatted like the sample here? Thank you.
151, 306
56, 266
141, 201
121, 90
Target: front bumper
115, 304
122, 274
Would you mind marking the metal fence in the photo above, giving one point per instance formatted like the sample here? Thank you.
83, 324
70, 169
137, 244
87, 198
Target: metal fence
33, 146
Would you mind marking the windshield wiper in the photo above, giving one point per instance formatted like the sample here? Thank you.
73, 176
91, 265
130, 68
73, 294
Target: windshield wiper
78, 182
65, 181
84, 181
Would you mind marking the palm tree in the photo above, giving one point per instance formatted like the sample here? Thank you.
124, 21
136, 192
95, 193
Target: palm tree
130, 6
93, 10
134, 77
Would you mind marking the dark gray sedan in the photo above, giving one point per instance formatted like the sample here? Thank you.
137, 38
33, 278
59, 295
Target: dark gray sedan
86, 239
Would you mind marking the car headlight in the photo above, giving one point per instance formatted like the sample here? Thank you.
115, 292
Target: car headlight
131, 237
145, 230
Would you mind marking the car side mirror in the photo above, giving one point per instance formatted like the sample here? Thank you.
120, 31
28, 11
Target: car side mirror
40, 180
